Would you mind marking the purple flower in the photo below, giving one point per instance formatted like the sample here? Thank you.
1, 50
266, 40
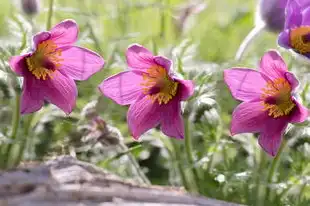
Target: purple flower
272, 13
268, 101
151, 90
296, 33
50, 69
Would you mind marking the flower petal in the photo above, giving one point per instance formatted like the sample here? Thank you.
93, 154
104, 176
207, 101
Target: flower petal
272, 65
32, 96
300, 114
40, 37
61, 91
171, 121
80, 63
244, 84
270, 137
284, 39
306, 17
186, 88
248, 117
139, 58
65, 33
291, 78
142, 116
124, 88
163, 61
293, 15
18, 64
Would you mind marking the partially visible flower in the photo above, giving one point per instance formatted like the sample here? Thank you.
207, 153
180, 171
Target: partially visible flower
50, 69
152, 91
30, 7
268, 99
296, 33
272, 13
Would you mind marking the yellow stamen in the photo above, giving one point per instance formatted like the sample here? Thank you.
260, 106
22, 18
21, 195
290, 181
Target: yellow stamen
158, 85
46, 51
300, 39
277, 98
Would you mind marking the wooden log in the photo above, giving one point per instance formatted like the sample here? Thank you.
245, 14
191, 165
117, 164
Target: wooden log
65, 181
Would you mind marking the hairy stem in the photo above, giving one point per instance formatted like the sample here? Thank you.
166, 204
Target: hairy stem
189, 154
135, 164
50, 14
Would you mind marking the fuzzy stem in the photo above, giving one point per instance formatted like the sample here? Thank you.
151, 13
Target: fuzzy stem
178, 160
273, 168
50, 15
136, 165
189, 154
248, 39
15, 126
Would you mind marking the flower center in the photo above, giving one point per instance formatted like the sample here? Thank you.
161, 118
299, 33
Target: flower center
158, 85
277, 98
45, 60
300, 39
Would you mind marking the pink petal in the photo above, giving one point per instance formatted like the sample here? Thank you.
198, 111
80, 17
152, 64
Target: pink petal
18, 64
61, 91
40, 37
186, 88
293, 15
248, 117
142, 116
80, 63
270, 137
244, 84
32, 96
300, 114
306, 17
124, 88
171, 121
292, 80
65, 33
272, 65
163, 61
139, 58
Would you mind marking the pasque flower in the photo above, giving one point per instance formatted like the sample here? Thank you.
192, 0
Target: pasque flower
296, 33
268, 99
50, 69
152, 91
272, 12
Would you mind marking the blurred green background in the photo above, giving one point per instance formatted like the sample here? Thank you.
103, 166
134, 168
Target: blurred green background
202, 38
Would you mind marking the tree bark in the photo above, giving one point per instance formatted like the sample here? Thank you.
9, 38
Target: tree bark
65, 181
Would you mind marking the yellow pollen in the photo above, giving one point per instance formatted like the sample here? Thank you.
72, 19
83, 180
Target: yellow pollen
46, 52
300, 39
277, 98
158, 85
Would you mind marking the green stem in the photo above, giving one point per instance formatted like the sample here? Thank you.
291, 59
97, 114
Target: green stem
50, 15
189, 154
273, 168
178, 160
136, 165
23, 142
15, 125
259, 195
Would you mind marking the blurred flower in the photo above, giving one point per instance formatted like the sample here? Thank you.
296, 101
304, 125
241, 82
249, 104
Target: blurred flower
100, 131
268, 101
272, 13
30, 7
186, 11
50, 69
296, 34
152, 91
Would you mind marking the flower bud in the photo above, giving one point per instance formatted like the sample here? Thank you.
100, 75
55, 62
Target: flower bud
272, 13
30, 7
